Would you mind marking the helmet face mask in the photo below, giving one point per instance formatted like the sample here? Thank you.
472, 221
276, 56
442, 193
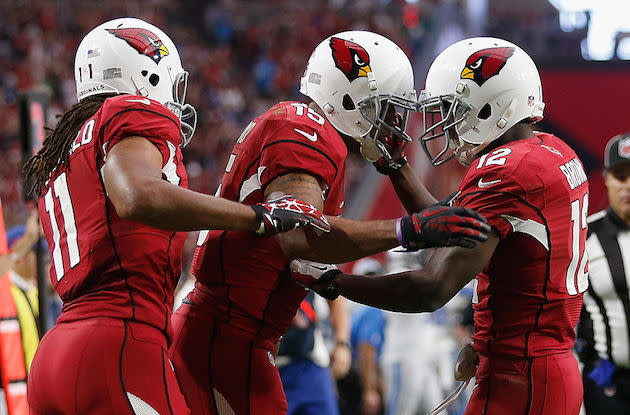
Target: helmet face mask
441, 116
476, 90
131, 56
185, 112
357, 78
388, 115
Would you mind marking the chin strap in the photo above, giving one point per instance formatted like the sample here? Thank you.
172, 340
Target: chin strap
500, 125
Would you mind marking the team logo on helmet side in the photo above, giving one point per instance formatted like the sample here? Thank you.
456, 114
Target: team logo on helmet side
142, 40
486, 63
350, 58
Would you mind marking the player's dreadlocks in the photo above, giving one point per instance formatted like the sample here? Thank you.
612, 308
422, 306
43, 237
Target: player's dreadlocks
56, 147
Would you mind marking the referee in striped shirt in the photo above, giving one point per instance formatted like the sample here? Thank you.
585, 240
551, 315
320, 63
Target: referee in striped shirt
604, 331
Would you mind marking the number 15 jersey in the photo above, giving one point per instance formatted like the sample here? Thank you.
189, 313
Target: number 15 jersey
534, 193
241, 278
103, 265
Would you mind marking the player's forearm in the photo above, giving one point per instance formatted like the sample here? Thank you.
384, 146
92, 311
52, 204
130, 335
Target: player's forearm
407, 292
165, 206
425, 289
411, 192
132, 176
348, 240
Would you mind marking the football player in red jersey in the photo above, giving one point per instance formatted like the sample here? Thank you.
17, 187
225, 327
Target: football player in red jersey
113, 203
482, 97
244, 298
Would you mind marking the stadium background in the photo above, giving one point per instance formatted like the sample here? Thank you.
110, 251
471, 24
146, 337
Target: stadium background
243, 56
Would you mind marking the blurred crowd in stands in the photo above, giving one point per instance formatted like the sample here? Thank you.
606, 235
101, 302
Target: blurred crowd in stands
242, 57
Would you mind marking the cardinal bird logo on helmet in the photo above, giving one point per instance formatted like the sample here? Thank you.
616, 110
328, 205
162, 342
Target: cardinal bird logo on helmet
486, 63
350, 58
143, 40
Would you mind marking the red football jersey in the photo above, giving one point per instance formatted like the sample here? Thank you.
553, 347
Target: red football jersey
534, 193
246, 277
102, 265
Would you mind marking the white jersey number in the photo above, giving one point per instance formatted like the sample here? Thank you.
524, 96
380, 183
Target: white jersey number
496, 157
577, 277
313, 115
60, 188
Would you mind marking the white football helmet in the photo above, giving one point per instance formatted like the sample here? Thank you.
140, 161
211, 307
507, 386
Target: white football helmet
476, 90
356, 77
131, 56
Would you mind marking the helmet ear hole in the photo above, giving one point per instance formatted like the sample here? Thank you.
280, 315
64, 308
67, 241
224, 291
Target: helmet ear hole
154, 79
347, 103
144, 72
485, 112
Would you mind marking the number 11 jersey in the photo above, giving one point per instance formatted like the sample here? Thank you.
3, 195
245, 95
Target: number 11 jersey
103, 265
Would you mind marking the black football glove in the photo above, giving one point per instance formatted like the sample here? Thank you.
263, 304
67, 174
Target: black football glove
286, 214
439, 226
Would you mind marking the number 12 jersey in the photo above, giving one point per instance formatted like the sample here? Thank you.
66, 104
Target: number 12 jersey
534, 193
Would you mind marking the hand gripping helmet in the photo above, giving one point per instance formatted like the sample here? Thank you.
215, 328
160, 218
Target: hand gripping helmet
476, 90
358, 78
131, 56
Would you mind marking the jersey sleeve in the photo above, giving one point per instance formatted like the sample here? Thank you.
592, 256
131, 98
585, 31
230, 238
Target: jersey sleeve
128, 115
296, 147
499, 197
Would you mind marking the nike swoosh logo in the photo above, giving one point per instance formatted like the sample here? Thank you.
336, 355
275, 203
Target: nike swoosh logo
553, 150
144, 101
312, 137
319, 268
483, 184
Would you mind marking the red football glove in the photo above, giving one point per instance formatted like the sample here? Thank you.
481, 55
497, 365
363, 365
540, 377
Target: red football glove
439, 226
286, 214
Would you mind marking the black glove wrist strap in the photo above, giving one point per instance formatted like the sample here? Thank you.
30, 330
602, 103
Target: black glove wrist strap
390, 168
328, 280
